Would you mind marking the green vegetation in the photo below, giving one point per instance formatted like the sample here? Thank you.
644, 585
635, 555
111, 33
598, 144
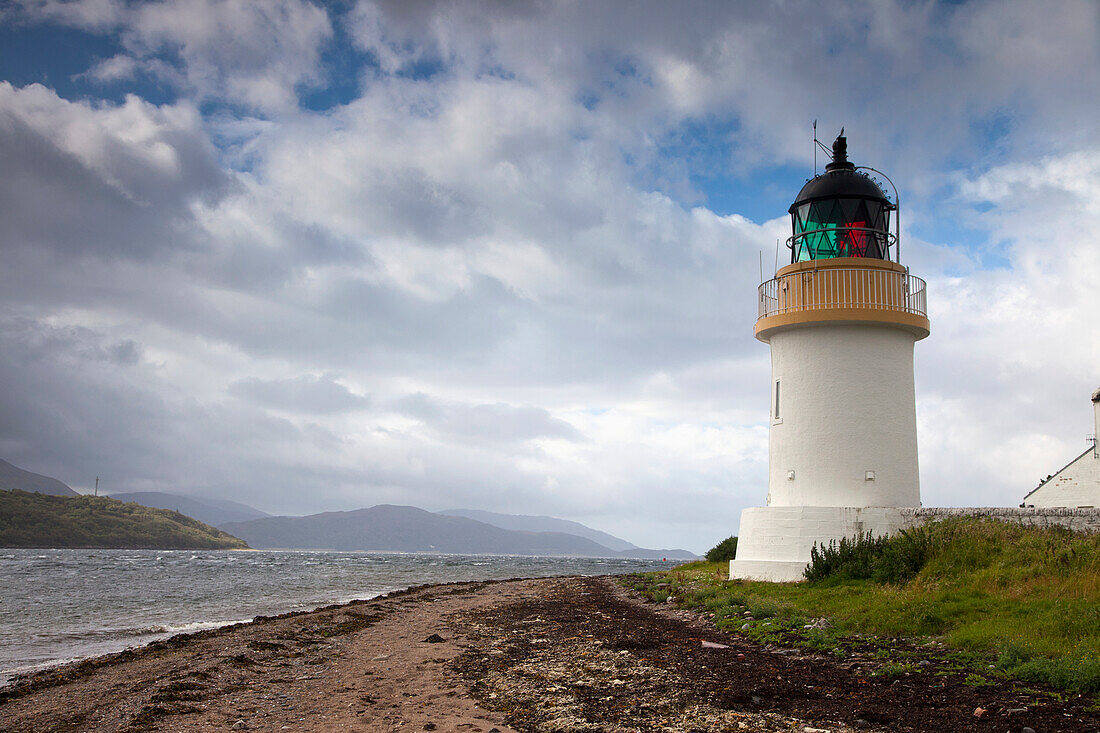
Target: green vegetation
40, 520
724, 551
1023, 599
883, 559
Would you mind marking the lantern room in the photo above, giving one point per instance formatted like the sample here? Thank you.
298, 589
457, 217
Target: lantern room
841, 213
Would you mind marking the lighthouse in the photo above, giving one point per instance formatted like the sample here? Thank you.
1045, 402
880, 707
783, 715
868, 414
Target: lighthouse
841, 321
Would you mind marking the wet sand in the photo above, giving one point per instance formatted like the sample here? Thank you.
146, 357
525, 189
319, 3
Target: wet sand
561, 654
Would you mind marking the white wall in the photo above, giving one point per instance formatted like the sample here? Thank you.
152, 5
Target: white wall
1076, 485
847, 406
774, 543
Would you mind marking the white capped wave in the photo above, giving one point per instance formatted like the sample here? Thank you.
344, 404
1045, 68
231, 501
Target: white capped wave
185, 628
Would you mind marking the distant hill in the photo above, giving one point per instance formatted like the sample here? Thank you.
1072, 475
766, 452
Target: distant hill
211, 511
41, 520
13, 477
529, 523
645, 554
406, 529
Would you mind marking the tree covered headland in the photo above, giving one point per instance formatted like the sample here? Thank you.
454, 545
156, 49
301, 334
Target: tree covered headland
40, 520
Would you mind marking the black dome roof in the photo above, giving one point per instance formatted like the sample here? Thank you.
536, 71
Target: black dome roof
843, 183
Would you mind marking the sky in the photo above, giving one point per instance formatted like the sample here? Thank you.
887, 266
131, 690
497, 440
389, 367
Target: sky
504, 256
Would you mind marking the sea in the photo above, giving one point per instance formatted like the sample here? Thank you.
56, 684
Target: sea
58, 606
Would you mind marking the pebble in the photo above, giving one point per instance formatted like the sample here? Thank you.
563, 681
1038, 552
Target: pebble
1027, 730
979, 712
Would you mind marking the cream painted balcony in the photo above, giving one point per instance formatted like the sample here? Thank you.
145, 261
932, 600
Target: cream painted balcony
839, 290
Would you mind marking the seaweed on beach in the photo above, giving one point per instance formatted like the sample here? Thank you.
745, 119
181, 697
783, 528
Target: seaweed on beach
583, 657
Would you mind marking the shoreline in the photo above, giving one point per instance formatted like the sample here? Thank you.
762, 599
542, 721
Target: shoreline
62, 605
544, 654
78, 665
140, 639
273, 671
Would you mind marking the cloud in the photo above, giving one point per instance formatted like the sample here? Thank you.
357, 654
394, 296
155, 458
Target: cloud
253, 55
103, 180
117, 68
1004, 380
505, 233
889, 73
496, 423
305, 394
97, 15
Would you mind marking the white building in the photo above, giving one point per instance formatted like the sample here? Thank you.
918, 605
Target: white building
841, 321
1077, 485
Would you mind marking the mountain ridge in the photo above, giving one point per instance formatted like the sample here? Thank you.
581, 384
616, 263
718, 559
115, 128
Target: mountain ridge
214, 512
388, 527
542, 523
393, 528
13, 477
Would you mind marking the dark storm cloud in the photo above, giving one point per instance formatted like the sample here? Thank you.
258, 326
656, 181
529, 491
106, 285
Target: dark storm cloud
76, 400
101, 183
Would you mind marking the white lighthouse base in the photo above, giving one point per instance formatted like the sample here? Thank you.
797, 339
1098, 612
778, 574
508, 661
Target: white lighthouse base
774, 543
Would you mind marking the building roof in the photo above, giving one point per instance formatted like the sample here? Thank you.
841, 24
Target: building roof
1054, 475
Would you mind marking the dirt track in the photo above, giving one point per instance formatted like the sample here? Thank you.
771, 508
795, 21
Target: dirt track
573, 654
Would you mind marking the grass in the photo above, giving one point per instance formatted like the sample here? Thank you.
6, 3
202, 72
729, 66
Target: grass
1024, 599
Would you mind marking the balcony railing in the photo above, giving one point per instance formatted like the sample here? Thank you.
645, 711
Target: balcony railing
843, 287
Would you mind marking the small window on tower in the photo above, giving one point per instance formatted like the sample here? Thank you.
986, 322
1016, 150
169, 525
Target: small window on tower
777, 399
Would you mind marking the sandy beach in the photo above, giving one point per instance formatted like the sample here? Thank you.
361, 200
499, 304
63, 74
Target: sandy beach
562, 654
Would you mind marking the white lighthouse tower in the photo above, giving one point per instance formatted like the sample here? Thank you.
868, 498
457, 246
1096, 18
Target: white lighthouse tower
841, 321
